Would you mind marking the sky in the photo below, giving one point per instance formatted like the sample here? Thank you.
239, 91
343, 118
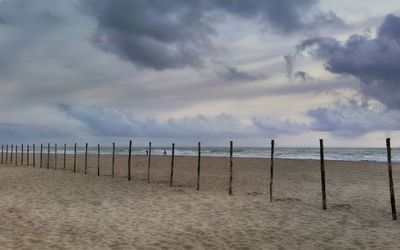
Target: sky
184, 71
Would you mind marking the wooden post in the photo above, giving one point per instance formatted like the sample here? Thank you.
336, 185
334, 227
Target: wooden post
41, 155
392, 197
12, 151
271, 180
230, 167
98, 159
27, 155
55, 156
22, 154
7, 154
86, 152
148, 164
16, 155
65, 155
198, 165
2, 152
129, 160
48, 155
323, 188
75, 157
113, 160
172, 164
34, 155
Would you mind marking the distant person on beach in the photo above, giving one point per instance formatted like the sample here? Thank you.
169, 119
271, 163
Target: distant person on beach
165, 152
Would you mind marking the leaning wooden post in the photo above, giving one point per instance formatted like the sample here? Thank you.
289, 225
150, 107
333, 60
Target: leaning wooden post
41, 155
323, 188
48, 155
148, 164
113, 160
75, 157
129, 160
172, 164
7, 154
55, 156
65, 155
230, 167
271, 180
27, 155
34, 155
392, 197
86, 155
98, 159
16, 155
198, 165
22, 154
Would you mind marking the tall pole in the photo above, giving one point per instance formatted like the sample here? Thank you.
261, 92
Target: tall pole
323, 188
148, 164
34, 155
75, 157
172, 165
129, 160
48, 155
230, 167
41, 155
271, 182
55, 156
198, 165
98, 159
65, 155
86, 155
22, 154
113, 159
16, 155
391, 188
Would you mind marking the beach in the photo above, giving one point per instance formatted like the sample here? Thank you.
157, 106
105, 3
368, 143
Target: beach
57, 209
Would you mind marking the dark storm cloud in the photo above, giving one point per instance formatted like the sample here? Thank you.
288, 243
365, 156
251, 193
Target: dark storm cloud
175, 34
235, 75
352, 119
100, 121
376, 62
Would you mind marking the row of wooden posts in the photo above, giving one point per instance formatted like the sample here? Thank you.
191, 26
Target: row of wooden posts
322, 165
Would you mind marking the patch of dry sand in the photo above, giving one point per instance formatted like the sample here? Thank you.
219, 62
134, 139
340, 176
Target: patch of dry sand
48, 209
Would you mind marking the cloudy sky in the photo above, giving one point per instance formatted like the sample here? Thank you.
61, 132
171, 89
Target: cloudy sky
209, 70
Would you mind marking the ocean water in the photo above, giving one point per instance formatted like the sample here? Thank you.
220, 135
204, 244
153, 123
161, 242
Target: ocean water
349, 154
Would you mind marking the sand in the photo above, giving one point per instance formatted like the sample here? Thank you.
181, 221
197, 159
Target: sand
59, 209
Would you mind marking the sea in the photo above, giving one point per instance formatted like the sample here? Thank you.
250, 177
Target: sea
347, 154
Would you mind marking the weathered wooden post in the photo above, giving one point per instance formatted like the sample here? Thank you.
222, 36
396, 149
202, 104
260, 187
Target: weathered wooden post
391, 188
98, 159
16, 155
34, 155
22, 154
55, 156
198, 165
148, 163
113, 160
86, 155
129, 160
7, 154
323, 188
12, 151
271, 180
75, 157
41, 155
48, 155
172, 164
65, 155
27, 155
230, 167
2, 152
